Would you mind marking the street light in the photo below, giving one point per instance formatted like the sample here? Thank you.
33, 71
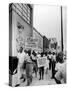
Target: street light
61, 29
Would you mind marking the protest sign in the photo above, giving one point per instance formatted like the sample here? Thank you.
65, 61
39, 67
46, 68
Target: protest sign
41, 61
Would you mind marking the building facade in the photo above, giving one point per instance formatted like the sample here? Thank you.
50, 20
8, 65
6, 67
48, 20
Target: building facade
45, 44
20, 26
53, 44
39, 38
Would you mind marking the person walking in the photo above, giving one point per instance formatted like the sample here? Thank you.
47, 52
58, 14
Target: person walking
50, 60
60, 76
53, 64
20, 56
29, 68
41, 70
47, 63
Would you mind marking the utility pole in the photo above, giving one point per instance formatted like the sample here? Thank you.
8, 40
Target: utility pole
61, 29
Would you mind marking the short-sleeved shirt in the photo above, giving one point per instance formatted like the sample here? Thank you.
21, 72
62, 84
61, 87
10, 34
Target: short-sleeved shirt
50, 56
54, 57
61, 72
21, 57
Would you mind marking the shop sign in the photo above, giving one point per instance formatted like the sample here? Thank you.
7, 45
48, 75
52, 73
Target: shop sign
31, 43
30, 39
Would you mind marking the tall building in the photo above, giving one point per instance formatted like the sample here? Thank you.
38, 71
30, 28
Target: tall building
45, 44
20, 26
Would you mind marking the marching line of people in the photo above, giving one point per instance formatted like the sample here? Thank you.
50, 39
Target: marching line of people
27, 66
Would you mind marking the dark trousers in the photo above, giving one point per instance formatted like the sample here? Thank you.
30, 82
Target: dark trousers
50, 64
53, 68
57, 81
29, 69
41, 72
35, 69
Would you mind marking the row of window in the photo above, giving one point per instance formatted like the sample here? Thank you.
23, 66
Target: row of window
24, 10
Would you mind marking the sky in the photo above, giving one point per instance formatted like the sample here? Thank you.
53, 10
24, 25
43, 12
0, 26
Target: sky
47, 20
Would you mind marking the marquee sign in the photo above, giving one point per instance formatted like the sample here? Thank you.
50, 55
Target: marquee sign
31, 43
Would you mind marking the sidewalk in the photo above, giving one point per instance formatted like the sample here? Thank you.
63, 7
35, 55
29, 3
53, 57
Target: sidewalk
46, 81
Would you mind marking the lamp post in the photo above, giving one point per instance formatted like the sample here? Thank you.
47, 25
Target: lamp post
61, 29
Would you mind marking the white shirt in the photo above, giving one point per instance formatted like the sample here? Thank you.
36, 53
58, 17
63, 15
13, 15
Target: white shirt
58, 66
54, 57
50, 56
38, 55
61, 73
21, 57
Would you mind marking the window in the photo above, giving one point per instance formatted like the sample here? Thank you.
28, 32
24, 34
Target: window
24, 10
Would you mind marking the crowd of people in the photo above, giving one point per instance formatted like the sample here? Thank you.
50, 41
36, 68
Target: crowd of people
28, 65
